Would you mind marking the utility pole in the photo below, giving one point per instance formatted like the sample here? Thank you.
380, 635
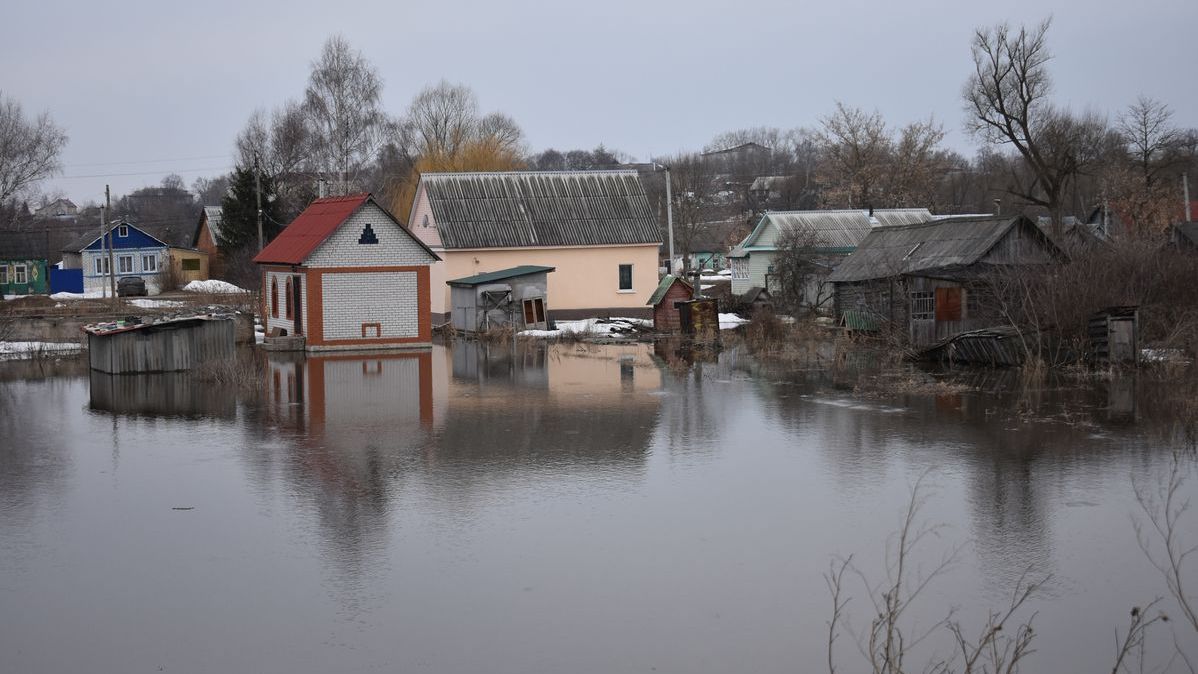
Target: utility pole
258, 197
669, 214
1185, 187
111, 266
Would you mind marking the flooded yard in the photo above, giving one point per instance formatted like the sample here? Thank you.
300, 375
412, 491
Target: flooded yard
571, 509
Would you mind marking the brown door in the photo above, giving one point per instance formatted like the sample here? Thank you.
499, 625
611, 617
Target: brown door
297, 294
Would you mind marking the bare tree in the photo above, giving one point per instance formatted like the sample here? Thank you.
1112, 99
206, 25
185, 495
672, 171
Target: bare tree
800, 270
281, 143
442, 118
344, 111
1152, 140
856, 148
917, 165
1007, 103
29, 148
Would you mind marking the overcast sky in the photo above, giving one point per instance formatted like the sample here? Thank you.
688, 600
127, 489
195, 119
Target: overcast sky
150, 88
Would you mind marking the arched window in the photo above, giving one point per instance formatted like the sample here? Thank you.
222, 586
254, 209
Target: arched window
287, 299
274, 297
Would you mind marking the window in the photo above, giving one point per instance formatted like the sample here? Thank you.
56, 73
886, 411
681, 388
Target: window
534, 311
740, 268
625, 278
124, 264
3, 274
20, 274
149, 262
287, 299
274, 296
923, 306
190, 264
102, 267
123, 230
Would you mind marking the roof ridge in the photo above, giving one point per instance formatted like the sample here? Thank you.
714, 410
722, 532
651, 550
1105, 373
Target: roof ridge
440, 174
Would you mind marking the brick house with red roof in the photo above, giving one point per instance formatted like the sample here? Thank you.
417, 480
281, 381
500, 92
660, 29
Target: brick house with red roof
346, 275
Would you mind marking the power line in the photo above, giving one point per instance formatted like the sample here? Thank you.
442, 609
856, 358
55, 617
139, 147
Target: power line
147, 161
145, 173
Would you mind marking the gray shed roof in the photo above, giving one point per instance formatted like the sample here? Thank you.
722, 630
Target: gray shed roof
216, 218
939, 244
832, 228
540, 208
502, 274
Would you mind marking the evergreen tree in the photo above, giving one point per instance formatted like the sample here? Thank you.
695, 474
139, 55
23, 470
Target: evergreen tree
239, 228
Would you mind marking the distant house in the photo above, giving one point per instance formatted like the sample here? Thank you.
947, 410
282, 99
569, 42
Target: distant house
594, 227
925, 278
159, 254
831, 234
23, 276
57, 209
710, 244
346, 275
207, 238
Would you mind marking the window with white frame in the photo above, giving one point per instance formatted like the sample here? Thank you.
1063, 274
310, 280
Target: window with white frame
923, 305
625, 277
149, 262
20, 274
102, 266
122, 230
740, 268
124, 264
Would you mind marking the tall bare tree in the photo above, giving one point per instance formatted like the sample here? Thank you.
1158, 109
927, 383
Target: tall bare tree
1006, 99
29, 148
856, 148
344, 112
1152, 140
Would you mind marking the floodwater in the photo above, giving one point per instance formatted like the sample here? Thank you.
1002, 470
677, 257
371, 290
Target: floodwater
571, 509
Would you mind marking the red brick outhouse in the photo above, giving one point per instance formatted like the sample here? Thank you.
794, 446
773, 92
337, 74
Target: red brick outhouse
665, 314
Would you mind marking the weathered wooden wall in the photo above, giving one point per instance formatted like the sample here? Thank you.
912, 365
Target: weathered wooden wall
169, 347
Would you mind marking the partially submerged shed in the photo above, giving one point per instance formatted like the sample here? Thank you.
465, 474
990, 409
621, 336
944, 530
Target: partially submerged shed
670, 292
516, 296
165, 346
1115, 335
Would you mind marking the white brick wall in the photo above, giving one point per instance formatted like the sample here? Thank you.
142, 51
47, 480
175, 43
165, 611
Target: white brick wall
282, 321
353, 298
394, 249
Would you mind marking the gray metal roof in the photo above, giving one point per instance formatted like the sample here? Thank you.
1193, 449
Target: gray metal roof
831, 229
943, 243
216, 217
540, 208
502, 274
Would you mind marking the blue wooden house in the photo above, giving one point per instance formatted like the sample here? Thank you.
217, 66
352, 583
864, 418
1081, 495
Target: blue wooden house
134, 253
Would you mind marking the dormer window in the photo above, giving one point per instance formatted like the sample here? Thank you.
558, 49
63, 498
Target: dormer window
122, 231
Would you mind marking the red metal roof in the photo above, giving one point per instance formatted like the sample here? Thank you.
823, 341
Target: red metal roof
318, 221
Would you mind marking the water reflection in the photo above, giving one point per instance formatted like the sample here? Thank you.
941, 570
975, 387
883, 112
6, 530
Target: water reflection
559, 507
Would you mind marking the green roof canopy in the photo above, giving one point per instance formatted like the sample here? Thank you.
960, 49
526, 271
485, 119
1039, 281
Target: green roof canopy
495, 276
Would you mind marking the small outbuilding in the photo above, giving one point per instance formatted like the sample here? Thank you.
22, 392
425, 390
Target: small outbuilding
346, 275
670, 292
516, 296
1114, 335
173, 345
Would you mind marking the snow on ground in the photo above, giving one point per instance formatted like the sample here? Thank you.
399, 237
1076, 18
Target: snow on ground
588, 326
93, 295
12, 350
156, 304
212, 286
729, 321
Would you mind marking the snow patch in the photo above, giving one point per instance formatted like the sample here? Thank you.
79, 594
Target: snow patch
14, 350
213, 286
589, 326
156, 304
92, 295
729, 321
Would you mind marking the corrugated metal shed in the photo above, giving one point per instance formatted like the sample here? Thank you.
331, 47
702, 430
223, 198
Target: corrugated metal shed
944, 243
167, 346
540, 208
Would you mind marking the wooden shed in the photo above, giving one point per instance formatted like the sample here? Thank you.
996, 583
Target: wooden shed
166, 346
517, 296
671, 291
1114, 335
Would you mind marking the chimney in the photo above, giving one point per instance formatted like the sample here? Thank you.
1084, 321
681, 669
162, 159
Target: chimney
998, 206
320, 188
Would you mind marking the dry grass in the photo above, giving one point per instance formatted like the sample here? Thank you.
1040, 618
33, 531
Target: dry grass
246, 371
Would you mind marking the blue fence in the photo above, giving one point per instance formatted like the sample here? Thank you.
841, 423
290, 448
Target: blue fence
66, 280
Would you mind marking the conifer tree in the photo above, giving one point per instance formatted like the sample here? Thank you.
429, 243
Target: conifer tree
239, 228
